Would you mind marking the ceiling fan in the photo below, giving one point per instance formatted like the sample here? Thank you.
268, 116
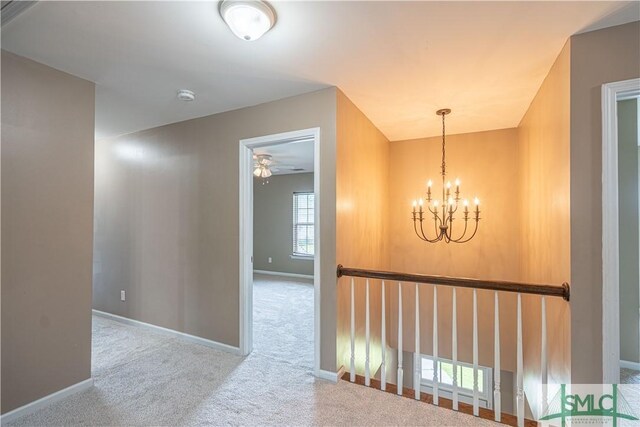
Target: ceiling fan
262, 166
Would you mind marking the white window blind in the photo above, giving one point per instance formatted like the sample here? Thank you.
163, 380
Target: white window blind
303, 231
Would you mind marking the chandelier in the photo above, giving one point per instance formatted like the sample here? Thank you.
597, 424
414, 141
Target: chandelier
443, 212
262, 167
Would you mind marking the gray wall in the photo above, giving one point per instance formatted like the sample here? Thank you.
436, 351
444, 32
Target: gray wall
47, 217
597, 57
167, 218
273, 223
629, 216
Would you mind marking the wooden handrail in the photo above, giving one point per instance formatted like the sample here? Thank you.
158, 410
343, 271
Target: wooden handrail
563, 291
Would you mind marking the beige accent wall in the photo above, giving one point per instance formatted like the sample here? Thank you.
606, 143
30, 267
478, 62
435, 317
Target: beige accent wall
362, 178
597, 57
273, 223
629, 215
544, 174
47, 217
486, 164
167, 218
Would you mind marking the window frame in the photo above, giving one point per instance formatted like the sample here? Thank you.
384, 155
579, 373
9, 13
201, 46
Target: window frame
295, 224
485, 397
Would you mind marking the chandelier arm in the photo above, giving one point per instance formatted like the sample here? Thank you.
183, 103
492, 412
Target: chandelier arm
425, 235
475, 230
436, 216
464, 231
415, 228
421, 233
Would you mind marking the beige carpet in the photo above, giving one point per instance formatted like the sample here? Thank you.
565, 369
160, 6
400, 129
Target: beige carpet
144, 378
629, 376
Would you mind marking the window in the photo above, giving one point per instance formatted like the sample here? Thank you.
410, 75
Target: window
465, 380
303, 231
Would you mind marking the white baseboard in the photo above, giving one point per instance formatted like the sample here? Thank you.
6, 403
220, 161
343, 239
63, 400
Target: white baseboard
192, 338
277, 273
630, 365
331, 376
45, 401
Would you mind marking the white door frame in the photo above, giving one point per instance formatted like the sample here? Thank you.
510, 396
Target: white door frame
246, 232
611, 94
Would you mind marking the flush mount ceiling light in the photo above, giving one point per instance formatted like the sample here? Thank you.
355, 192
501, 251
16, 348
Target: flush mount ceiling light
186, 95
247, 19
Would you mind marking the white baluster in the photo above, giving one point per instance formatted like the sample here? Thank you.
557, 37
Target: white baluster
543, 357
417, 363
476, 407
352, 368
400, 371
435, 345
519, 363
454, 350
383, 340
497, 399
367, 368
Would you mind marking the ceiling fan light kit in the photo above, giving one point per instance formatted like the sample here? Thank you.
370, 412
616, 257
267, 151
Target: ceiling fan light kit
262, 167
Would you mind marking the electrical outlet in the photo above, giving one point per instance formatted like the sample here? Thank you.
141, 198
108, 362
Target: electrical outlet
122, 295
270, 260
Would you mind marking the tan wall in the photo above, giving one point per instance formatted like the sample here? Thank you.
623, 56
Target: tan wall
273, 223
47, 214
544, 167
362, 177
629, 256
597, 57
486, 164
167, 218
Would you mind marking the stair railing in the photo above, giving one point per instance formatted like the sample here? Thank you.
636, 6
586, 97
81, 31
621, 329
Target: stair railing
562, 291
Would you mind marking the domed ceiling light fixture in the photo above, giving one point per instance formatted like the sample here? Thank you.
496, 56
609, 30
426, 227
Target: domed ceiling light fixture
247, 19
443, 212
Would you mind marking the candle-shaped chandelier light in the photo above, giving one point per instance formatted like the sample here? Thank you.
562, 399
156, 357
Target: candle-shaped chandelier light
443, 212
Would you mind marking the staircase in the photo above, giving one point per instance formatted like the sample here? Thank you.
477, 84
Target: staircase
390, 283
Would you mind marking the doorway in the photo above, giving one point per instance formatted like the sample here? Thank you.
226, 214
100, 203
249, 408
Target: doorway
629, 218
268, 145
621, 232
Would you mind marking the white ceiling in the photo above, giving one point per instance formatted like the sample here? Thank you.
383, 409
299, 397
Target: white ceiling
397, 61
286, 157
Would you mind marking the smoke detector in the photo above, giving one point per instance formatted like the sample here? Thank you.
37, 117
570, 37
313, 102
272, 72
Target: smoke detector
186, 95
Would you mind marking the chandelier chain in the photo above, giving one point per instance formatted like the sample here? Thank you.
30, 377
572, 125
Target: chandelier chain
443, 149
